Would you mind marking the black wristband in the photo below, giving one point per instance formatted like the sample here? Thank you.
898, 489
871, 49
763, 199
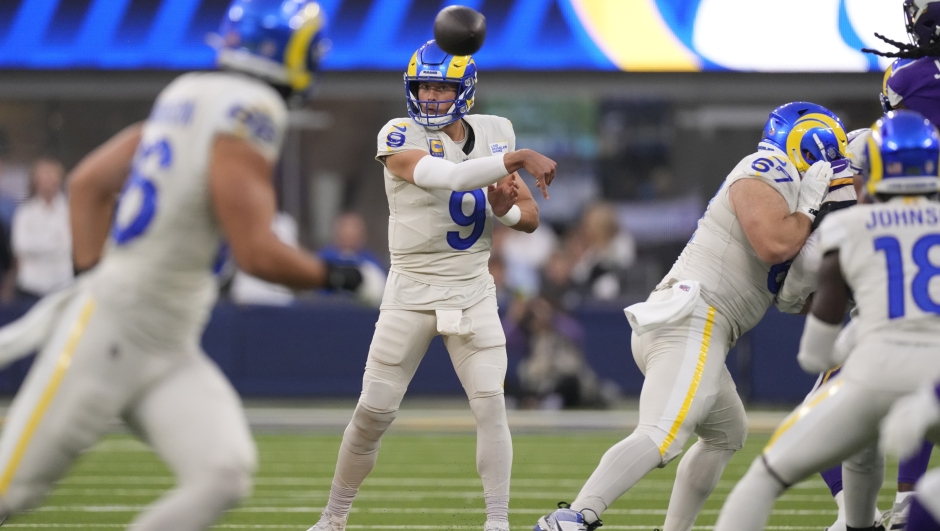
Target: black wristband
831, 206
342, 277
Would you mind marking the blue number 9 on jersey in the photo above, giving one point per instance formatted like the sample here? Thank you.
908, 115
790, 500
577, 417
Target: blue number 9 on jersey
477, 219
138, 203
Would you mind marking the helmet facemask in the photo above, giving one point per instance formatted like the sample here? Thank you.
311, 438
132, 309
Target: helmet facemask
430, 64
922, 21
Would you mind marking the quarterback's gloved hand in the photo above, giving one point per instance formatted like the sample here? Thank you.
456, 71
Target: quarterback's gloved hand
902, 431
813, 188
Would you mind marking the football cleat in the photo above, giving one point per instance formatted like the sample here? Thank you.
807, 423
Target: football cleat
895, 519
328, 522
496, 525
565, 519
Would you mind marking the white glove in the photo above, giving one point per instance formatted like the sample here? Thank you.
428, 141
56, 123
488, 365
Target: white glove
902, 431
370, 292
813, 188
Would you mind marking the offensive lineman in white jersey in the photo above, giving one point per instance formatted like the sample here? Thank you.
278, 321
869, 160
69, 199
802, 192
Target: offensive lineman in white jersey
719, 288
123, 343
882, 254
447, 175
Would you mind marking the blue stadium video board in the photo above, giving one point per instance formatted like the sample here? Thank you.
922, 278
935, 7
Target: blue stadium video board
628, 35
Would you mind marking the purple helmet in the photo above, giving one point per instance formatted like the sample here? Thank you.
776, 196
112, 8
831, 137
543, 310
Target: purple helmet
922, 19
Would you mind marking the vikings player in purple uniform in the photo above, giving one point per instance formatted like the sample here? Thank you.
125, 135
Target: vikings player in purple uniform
913, 80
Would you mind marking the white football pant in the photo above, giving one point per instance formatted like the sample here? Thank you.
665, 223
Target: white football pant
687, 389
400, 342
88, 376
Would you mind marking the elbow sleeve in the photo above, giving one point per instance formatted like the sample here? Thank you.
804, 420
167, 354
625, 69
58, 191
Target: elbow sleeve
432, 172
817, 345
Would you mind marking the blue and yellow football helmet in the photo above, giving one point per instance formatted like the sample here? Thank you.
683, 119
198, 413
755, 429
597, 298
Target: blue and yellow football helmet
807, 133
903, 155
430, 63
280, 41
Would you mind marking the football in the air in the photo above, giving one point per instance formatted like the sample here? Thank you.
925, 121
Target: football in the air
460, 30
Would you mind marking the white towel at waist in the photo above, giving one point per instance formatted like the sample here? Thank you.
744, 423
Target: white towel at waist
648, 315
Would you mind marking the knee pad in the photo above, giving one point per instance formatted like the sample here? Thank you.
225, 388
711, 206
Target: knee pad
364, 433
725, 427
484, 373
381, 392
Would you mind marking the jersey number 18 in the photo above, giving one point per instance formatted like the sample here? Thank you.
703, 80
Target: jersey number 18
920, 253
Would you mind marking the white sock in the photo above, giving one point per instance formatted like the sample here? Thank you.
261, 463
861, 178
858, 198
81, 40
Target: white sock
621, 467
840, 503
862, 476
351, 471
494, 454
750, 502
901, 496
357, 456
697, 476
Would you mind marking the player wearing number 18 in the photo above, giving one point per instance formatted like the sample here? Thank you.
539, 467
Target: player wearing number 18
448, 176
886, 254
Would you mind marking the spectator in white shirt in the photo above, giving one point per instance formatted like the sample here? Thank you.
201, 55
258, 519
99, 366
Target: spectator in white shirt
41, 240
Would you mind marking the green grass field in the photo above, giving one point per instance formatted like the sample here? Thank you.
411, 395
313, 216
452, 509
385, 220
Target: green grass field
421, 482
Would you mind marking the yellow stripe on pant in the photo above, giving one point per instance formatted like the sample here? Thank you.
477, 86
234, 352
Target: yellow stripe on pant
62, 365
693, 387
802, 411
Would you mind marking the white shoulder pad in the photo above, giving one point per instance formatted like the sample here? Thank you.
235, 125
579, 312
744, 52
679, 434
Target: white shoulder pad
499, 132
770, 166
399, 135
257, 114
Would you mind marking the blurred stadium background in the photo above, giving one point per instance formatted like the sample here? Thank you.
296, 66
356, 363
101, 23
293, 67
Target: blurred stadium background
645, 104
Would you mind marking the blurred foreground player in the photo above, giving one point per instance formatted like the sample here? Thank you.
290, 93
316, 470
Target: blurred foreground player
883, 253
448, 174
902, 433
124, 341
719, 288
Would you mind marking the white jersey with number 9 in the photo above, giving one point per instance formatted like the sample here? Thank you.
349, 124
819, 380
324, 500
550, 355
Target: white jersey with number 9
439, 240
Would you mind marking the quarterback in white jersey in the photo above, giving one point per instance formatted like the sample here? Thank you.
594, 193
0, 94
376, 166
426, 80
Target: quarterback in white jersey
123, 342
719, 288
883, 254
447, 176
